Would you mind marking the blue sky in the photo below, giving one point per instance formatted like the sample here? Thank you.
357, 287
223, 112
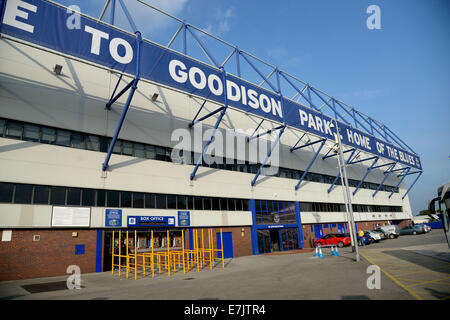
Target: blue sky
399, 75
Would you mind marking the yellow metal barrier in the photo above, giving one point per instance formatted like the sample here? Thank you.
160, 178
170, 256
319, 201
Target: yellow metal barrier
126, 255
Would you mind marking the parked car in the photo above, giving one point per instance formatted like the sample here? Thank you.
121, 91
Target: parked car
366, 239
375, 236
390, 231
380, 233
338, 239
412, 230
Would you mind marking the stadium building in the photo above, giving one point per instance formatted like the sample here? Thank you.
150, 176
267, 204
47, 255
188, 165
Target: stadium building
101, 129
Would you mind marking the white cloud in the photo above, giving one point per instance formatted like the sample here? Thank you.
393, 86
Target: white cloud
221, 24
148, 19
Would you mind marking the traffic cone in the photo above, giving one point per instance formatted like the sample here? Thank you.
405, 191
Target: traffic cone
332, 251
320, 252
337, 252
317, 252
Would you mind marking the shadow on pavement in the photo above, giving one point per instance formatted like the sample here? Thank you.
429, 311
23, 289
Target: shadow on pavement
421, 260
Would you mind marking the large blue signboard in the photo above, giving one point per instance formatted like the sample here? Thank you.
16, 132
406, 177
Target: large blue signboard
150, 221
47, 24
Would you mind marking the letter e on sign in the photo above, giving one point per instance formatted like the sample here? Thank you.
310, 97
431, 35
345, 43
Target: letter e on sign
13, 10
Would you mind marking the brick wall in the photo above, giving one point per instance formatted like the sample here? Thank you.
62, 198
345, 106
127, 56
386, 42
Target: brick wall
242, 245
23, 258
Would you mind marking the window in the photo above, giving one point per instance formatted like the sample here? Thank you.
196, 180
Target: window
117, 147
231, 205
31, 133
245, 205
139, 150
150, 152
47, 135
88, 197
171, 201
160, 153
13, 130
112, 198
190, 202
223, 204
58, 196
23, 193
198, 203
207, 203
181, 202
78, 141
238, 204
2, 127
101, 198
150, 200
127, 148
41, 194
161, 201
63, 138
104, 144
138, 200
6, 192
215, 204
125, 199
93, 143
73, 196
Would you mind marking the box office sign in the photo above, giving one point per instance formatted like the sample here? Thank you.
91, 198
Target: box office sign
113, 218
150, 221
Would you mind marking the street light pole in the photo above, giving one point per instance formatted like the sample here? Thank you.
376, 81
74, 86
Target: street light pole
343, 171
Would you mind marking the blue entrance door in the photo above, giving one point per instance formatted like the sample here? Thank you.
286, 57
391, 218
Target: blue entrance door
227, 238
318, 231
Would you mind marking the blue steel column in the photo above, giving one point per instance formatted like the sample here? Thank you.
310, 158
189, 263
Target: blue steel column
113, 10
365, 176
127, 104
410, 187
401, 180
310, 165
199, 161
255, 246
339, 174
386, 175
299, 225
268, 156
283, 127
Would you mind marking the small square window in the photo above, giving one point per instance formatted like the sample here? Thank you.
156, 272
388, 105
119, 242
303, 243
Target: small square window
63, 138
48, 135
14, 130
31, 133
93, 143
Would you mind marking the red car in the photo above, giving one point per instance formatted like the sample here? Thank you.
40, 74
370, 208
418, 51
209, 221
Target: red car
338, 239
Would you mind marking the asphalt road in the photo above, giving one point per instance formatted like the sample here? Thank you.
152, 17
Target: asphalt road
300, 276
433, 237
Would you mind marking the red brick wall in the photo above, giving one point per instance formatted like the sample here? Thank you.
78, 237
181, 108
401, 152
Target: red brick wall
23, 258
242, 245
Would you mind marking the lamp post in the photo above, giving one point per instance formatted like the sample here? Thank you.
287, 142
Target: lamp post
343, 172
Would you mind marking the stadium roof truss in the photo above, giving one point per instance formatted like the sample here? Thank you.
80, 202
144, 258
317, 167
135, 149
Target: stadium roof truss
315, 101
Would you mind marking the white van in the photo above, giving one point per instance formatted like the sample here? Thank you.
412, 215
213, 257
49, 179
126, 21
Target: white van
390, 231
